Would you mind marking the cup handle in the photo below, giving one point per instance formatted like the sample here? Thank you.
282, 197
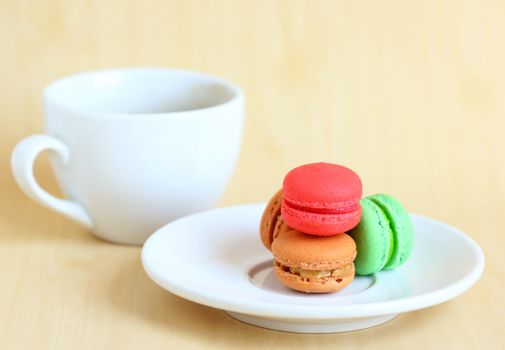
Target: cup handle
23, 157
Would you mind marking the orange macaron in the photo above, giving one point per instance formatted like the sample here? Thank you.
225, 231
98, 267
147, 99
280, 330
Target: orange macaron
269, 220
312, 264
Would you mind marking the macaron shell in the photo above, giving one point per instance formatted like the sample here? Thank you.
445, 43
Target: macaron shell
298, 283
374, 239
322, 185
401, 225
319, 224
295, 249
269, 219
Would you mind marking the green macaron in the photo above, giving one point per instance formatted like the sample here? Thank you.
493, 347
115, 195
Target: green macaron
384, 236
400, 223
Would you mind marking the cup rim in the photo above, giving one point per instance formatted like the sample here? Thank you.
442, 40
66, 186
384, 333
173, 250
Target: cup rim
236, 91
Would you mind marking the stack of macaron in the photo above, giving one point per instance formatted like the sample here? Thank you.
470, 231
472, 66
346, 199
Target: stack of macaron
321, 232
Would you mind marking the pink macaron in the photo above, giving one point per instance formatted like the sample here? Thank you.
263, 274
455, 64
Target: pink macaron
321, 199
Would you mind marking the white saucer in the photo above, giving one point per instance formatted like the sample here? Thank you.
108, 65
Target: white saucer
216, 258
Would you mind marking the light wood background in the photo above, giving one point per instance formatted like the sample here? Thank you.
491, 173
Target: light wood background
410, 94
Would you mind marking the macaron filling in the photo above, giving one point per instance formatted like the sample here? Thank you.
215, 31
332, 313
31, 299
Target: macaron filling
342, 208
318, 275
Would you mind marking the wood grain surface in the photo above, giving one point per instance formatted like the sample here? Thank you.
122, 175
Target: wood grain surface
410, 94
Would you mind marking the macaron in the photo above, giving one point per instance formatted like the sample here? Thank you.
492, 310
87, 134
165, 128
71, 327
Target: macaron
321, 199
384, 237
401, 225
312, 264
269, 219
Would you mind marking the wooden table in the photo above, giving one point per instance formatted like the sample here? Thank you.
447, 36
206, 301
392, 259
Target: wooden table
409, 94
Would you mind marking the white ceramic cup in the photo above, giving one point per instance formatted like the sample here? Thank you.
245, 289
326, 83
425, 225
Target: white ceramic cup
133, 149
